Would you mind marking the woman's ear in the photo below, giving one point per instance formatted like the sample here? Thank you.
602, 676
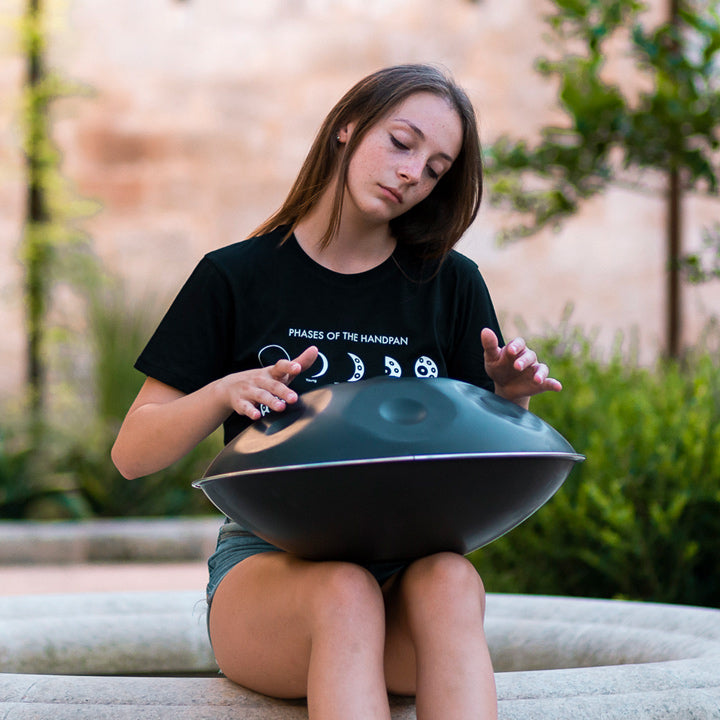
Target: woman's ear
344, 133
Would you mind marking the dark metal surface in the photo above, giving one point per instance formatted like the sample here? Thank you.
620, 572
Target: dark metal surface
388, 469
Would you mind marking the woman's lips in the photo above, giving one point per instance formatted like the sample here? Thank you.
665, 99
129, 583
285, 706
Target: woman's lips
394, 194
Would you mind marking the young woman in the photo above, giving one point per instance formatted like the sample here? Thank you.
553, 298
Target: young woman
354, 276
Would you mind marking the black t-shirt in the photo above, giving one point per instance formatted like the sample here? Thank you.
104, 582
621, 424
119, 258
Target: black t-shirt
256, 301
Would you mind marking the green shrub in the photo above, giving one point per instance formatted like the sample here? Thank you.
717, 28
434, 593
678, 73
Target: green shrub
24, 490
119, 329
69, 473
640, 518
30, 485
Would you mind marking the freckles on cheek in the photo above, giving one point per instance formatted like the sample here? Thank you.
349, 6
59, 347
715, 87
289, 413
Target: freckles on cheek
426, 191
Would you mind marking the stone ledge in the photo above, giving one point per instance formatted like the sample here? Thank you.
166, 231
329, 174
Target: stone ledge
38, 697
111, 540
33, 696
559, 658
105, 634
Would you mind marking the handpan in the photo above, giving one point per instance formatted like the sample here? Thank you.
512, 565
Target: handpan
389, 469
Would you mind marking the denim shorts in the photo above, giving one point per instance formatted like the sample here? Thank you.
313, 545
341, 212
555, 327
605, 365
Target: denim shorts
235, 544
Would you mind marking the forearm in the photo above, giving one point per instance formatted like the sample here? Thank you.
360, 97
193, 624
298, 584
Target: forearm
164, 424
164, 427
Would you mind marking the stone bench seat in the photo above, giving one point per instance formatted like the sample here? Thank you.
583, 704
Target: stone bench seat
138, 655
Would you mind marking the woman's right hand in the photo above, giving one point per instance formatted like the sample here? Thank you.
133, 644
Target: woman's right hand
163, 423
245, 391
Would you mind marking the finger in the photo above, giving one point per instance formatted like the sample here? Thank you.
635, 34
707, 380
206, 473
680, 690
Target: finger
490, 343
246, 408
260, 389
307, 357
553, 385
516, 347
273, 391
540, 373
547, 383
286, 370
258, 396
276, 402
527, 359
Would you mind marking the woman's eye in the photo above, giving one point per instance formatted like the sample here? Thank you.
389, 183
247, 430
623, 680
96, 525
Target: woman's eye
433, 175
398, 144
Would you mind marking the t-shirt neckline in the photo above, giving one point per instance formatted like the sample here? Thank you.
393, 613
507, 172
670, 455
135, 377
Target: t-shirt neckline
366, 277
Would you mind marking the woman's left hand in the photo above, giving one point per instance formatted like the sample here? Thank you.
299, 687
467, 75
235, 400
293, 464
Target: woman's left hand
515, 370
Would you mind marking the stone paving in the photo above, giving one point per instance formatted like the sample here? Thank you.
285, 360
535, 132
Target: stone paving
105, 555
102, 577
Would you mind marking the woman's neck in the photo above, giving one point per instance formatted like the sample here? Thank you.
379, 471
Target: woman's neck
357, 246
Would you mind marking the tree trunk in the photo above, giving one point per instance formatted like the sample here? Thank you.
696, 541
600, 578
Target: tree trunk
674, 240
37, 214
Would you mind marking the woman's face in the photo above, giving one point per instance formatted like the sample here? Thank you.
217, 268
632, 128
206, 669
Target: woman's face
401, 158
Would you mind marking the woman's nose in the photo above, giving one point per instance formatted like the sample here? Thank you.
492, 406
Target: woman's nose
411, 170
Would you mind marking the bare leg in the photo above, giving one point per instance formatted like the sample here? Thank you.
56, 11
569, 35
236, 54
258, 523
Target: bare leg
435, 645
292, 628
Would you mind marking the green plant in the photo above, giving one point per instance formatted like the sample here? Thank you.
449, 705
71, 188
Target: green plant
610, 134
640, 518
108, 494
118, 330
29, 485
71, 474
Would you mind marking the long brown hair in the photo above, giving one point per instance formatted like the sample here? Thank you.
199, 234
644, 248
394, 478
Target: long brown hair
432, 226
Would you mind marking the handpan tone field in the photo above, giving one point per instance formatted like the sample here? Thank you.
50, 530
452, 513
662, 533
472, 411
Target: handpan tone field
389, 468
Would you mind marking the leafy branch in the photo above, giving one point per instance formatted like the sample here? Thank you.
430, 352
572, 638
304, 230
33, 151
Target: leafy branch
674, 125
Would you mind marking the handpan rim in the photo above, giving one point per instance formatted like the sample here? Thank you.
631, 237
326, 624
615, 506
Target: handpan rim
575, 457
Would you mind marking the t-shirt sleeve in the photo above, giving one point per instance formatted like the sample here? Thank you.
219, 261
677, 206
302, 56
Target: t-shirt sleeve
192, 345
473, 311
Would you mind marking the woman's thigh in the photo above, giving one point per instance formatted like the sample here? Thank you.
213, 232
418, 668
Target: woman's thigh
400, 660
258, 634
269, 608
426, 601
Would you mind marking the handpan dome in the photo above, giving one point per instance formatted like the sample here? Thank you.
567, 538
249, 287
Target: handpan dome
389, 468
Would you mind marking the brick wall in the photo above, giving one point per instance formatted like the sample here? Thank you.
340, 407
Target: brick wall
201, 113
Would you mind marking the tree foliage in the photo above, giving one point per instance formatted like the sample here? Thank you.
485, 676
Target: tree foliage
610, 134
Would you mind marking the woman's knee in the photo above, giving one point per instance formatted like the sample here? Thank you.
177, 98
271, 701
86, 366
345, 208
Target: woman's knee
346, 592
446, 580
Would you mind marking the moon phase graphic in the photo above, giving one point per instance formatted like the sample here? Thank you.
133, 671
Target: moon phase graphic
425, 367
270, 354
392, 367
359, 368
324, 367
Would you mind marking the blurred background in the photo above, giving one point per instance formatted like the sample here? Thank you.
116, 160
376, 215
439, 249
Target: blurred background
135, 136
